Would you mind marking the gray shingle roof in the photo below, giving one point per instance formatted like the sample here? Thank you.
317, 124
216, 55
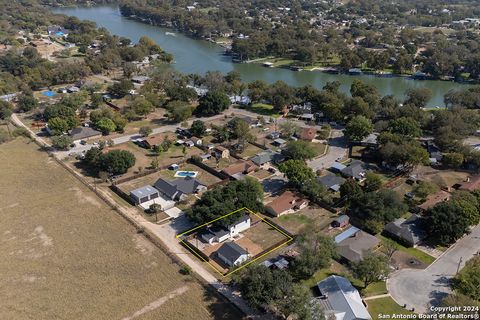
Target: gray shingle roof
267, 156
231, 251
83, 133
331, 181
354, 247
408, 230
176, 188
354, 170
342, 298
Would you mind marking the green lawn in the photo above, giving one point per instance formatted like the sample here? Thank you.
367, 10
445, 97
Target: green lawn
375, 289
384, 306
423, 257
264, 110
319, 148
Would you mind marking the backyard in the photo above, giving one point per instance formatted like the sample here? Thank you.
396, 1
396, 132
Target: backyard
71, 256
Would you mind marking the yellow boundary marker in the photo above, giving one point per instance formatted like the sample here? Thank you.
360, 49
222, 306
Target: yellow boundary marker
249, 262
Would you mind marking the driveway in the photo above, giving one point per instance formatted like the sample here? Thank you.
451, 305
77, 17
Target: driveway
337, 149
421, 289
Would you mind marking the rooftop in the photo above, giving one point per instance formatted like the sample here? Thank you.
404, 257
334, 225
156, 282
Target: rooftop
231, 251
286, 201
83, 133
410, 230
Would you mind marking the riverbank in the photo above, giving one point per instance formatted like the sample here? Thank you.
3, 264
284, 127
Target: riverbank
193, 56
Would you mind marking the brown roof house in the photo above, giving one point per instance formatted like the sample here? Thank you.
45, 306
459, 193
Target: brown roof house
307, 134
354, 243
287, 202
239, 169
434, 199
472, 184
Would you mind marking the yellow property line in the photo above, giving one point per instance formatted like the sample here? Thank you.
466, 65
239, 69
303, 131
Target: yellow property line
242, 266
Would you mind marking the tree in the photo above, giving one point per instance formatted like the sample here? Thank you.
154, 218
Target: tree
280, 95
299, 150
105, 125
297, 172
418, 97
214, 102
6, 110
198, 128
27, 102
116, 161
424, 188
453, 160
316, 253
372, 268
62, 142
58, 125
141, 106
224, 199
469, 204
288, 128
179, 111
446, 222
145, 131
405, 126
373, 181
467, 281
358, 128
121, 89
350, 190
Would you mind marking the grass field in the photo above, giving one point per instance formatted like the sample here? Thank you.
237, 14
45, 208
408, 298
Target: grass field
385, 306
68, 256
420, 255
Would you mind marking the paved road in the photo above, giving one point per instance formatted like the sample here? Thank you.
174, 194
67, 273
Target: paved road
421, 289
337, 149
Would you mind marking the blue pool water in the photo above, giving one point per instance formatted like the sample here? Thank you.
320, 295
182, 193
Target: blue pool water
48, 93
186, 174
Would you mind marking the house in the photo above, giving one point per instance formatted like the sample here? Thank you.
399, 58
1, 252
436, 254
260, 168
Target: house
242, 100
157, 139
337, 167
232, 254
267, 156
307, 134
196, 141
205, 157
331, 182
472, 184
140, 79
9, 97
279, 142
340, 300
287, 202
370, 140
278, 262
220, 152
57, 31
306, 108
240, 168
306, 117
144, 194
408, 231
220, 233
73, 89
355, 170
273, 135
354, 243
189, 143
84, 133
434, 199
341, 222
180, 188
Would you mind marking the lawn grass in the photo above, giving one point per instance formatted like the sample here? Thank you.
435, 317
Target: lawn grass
420, 255
319, 148
71, 257
374, 289
264, 110
384, 306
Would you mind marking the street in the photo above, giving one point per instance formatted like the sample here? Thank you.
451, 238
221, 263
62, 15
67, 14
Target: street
337, 149
420, 289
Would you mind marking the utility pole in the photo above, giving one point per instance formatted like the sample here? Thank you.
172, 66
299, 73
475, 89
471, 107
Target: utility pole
459, 263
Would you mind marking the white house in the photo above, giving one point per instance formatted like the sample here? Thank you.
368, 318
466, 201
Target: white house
221, 233
232, 254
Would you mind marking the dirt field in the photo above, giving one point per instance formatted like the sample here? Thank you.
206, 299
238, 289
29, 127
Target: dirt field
297, 222
66, 255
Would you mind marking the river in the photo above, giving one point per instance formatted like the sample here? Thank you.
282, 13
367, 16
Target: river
197, 56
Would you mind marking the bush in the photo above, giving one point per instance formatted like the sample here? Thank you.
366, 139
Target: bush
21, 132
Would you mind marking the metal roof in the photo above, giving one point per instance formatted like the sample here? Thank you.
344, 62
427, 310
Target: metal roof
144, 192
342, 298
231, 251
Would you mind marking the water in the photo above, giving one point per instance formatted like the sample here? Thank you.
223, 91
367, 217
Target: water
197, 56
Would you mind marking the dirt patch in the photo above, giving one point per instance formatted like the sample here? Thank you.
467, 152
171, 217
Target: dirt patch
402, 260
143, 245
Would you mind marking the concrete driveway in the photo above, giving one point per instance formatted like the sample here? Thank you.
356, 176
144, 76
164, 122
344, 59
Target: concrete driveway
421, 289
337, 149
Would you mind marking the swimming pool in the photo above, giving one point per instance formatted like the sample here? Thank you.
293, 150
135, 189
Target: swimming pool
185, 174
49, 93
